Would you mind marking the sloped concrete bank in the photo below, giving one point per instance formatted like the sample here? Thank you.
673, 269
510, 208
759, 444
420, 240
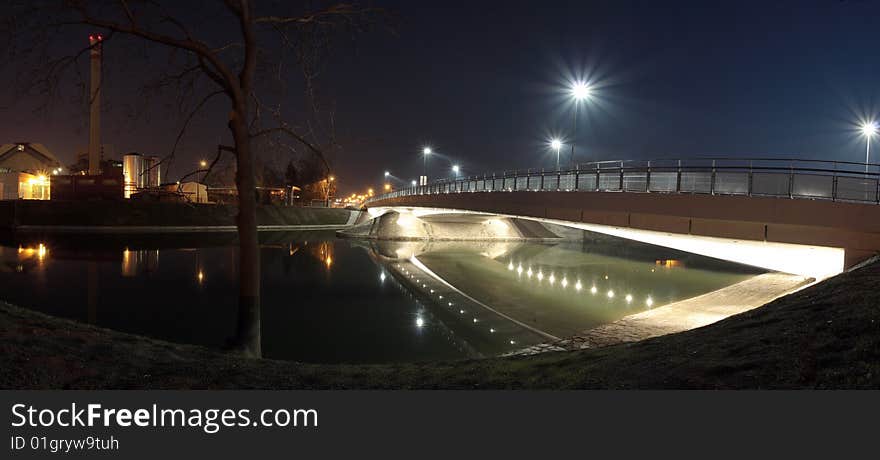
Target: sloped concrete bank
27, 216
448, 227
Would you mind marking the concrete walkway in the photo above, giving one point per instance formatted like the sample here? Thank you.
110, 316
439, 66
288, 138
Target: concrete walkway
683, 315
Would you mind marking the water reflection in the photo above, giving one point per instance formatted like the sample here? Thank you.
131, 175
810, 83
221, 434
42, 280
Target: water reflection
328, 300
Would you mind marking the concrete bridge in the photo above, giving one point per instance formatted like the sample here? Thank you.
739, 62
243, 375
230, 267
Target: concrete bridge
807, 217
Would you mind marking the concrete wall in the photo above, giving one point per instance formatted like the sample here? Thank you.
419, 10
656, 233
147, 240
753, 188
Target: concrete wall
852, 226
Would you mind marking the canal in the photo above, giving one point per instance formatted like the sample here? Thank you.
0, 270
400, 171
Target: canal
330, 300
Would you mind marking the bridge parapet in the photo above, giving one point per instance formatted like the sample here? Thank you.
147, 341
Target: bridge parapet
831, 204
766, 177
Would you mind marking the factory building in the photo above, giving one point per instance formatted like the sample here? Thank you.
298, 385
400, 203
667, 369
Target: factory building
25, 168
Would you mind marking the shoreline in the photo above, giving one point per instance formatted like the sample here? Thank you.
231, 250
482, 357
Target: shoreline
826, 335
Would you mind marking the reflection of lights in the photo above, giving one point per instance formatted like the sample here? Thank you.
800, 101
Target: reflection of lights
519, 270
492, 330
382, 277
512, 342
200, 276
564, 282
420, 322
328, 261
475, 320
432, 291
441, 297
540, 275
530, 272
552, 278
649, 302
40, 251
510, 266
450, 304
593, 290
461, 312
629, 298
606, 277
668, 263
610, 294
578, 286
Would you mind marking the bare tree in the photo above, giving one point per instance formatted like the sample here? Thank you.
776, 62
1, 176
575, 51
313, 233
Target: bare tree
241, 61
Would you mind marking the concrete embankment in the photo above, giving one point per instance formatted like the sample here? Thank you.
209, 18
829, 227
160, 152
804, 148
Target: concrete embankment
131, 216
448, 227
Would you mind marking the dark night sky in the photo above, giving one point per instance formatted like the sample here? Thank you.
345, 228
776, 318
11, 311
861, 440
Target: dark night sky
484, 83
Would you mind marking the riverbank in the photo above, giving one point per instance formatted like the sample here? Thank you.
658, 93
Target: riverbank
138, 216
824, 336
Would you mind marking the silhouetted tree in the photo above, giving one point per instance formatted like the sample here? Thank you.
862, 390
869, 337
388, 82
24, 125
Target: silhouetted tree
238, 60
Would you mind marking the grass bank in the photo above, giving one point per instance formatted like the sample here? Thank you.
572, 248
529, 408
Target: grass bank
23, 213
825, 336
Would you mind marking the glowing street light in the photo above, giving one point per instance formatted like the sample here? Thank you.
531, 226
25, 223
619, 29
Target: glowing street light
387, 173
455, 169
869, 129
413, 183
580, 90
556, 144
425, 152
387, 187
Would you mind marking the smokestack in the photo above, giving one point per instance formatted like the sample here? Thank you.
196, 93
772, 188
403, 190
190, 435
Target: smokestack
96, 55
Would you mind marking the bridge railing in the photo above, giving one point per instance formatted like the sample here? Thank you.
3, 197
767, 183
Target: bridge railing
788, 178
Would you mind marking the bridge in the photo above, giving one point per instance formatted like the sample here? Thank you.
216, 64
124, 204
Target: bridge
808, 217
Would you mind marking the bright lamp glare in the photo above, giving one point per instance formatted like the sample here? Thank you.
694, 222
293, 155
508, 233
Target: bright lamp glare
556, 144
580, 90
455, 168
387, 173
869, 129
426, 150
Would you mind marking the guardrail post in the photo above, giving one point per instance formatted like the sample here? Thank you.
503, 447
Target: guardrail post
648, 178
598, 173
678, 178
749, 186
791, 179
712, 180
621, 177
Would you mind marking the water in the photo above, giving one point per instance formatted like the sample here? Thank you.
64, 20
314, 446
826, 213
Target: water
334, 300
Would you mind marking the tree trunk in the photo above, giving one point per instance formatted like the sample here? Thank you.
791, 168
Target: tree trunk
249, 252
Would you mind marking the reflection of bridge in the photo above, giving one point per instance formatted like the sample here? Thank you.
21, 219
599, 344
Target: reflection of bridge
811, 211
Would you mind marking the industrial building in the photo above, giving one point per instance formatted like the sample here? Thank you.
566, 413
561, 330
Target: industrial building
25, 168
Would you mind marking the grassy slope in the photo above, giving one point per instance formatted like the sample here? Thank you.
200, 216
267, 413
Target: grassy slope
826, 336
144, 213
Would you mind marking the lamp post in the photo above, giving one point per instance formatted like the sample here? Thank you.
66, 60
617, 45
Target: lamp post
556, 144
579, 91
868, 130
425, 152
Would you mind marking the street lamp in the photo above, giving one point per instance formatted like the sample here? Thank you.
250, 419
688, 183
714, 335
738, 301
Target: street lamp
425, 152
556, 144
580, 91
387, 173
455, 169
868, 130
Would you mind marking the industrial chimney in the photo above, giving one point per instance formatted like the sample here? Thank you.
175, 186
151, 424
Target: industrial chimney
96, 55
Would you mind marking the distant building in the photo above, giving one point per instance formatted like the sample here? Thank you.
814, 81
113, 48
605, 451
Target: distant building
28, 157
24, 171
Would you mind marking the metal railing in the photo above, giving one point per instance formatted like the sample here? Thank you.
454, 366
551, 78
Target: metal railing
788, 178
